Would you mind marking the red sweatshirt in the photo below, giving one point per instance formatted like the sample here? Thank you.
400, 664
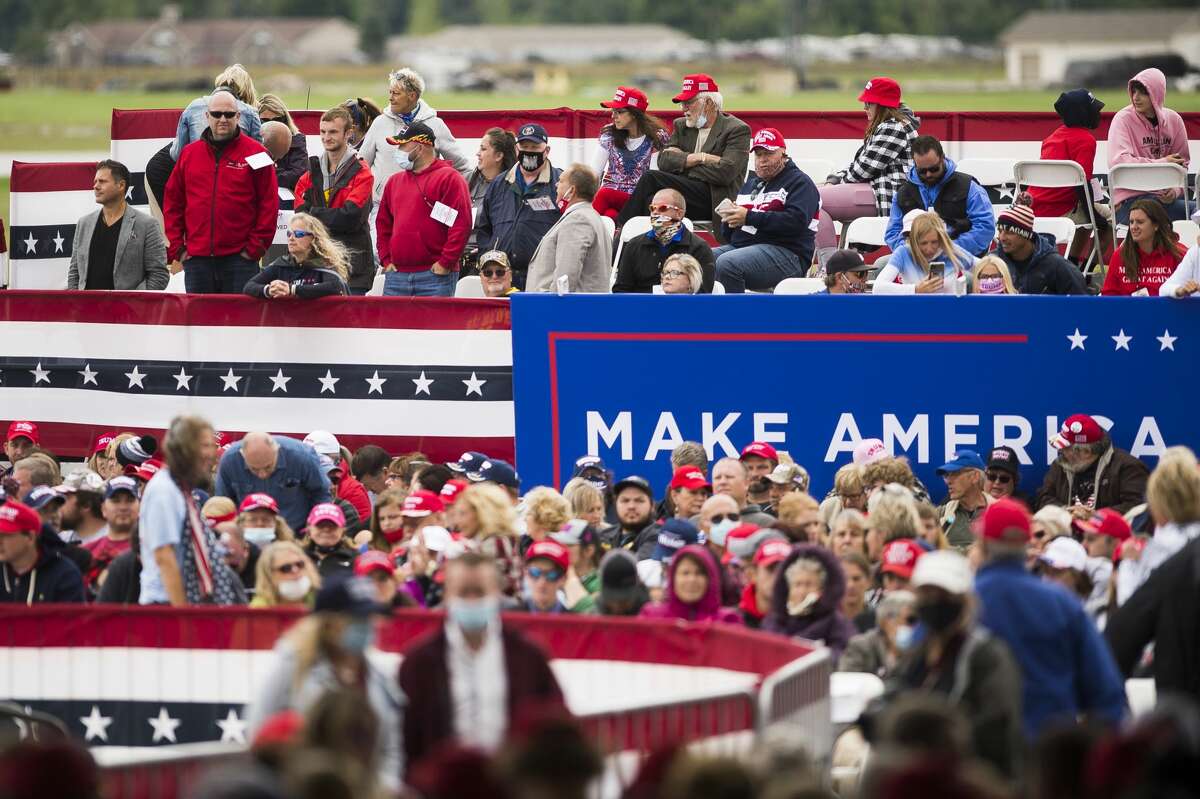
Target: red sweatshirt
407, 233
1064, 144
1153, 270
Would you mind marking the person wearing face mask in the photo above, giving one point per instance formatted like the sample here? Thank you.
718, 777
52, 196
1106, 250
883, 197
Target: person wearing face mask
718, 516
328, 651
807, 599
878, 650
467, 679
955, 657
521, 205
575, 255
772, 223
284, 576
642, 257
424, 219
991, 277
259, 520
846, 273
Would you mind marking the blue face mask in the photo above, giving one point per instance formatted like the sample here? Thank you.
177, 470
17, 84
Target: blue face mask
473, 615
403, 160
359, 635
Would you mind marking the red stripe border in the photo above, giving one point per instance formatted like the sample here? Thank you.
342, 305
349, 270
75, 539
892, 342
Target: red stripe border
30, 177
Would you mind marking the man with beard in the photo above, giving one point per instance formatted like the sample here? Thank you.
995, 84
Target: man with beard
82, 512
731, 477
771, 225
760, 459
1090, 473
120, 509
635, 515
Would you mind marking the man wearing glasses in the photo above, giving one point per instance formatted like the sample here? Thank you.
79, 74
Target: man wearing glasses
935, 184
495, 274
642, 257
221, 204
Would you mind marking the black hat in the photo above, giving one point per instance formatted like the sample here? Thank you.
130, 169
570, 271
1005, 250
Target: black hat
634, 481
1004, 459
532, 131
417, 131
845, 261
618, 576
354, 596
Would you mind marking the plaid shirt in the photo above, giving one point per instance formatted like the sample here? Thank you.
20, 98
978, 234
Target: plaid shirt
882, 161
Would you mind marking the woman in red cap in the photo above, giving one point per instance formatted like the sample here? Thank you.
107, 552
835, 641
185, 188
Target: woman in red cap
627, 146
866, 186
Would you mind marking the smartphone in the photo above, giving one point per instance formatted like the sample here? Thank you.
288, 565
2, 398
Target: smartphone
937, 269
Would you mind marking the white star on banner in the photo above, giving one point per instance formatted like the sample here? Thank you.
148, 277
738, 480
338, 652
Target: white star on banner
279, 382
1077, 340
375, 382
233, 729
183, 380
40, 375
58, 241
30, 243
96, 726
423, 384
164, 726
1166, 341
230, 380
328, 382
1122, 340
88, 375
474, 385
135, 378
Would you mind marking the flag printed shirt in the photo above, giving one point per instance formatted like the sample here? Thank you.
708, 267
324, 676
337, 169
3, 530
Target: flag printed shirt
781, 211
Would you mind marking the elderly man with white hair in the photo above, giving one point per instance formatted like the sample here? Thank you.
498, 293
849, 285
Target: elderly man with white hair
705, 159
281, 467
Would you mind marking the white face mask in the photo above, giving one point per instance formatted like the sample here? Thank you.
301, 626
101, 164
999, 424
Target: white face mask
294, 590
798, 608
259, 536
904, 636
720, 531
702, 121
403, 160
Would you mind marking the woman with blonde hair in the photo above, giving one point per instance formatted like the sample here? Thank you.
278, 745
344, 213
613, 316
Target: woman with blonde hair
1173, 497
586, 501
546, 511
284, 577
681, 274
316, 265
487, 523
909, 270
272, 109
991, 276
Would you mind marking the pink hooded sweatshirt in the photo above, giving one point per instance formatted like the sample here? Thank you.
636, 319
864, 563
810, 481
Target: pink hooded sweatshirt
708, 608
1133, 140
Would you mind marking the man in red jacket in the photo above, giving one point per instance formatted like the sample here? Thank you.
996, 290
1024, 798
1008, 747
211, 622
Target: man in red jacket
424, 219
466, 681
221, 204
337, 190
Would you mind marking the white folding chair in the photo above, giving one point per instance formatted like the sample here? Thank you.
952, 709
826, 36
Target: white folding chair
718, 287
1149, 177
800, 285
1060, 227
1187, 231
636, 226
610, 226
994, 173
376, 289
1053, 174
175, 284
469, 286
867, 230
816, 168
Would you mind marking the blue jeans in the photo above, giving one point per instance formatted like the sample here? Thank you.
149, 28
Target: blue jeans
419, 284
222, 274
758, 267
1175, 210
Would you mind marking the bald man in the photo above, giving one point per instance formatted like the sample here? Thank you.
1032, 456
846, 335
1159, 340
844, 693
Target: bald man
279, 466
288, 150
642, 256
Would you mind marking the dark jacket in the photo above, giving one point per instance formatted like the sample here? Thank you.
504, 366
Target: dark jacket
1045, 271
123, 585
425, 681
957, 198
346, 213
308, 281
53, 578
1165, 610
821, 622
1120, 483
515, 221
781, 210
642, 258
294, 163
338, 563
977, 673
729, 138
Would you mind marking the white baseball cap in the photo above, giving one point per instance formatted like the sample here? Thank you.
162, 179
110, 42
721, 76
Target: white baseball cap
907, 222
945, 569
1065, 552
324, 442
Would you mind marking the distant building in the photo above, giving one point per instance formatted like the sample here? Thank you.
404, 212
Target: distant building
1040, 45
171, 41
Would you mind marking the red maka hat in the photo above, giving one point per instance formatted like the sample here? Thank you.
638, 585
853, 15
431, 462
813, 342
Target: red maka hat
628, 97
881, 91
1005, 520
1078, 429
762, 449
688, 477
693, 85
768, 139
900, 557
551, 550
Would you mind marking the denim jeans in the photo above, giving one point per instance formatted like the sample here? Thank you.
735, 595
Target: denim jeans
758, 267
222, 274
1175, 210
419, 284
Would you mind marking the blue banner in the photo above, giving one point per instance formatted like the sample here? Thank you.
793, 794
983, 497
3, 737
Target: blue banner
629, 377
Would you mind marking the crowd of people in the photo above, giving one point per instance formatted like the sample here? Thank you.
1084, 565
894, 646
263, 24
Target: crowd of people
714, 202
1019, 614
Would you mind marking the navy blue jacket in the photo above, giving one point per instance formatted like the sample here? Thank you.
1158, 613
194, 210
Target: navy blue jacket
1067, 667
297, 483
54, 578
515, 221
782, 211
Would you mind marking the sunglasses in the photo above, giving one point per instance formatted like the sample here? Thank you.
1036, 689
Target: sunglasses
721, 517
494, 272
298, 234
662, 209
1003, 478
222, 114
929, 170
673, 273
290, 568
538, 573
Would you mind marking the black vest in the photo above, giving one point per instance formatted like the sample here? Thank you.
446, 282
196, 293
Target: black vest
950, 205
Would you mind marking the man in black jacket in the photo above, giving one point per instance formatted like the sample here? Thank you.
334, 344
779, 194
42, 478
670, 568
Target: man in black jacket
1033, 260
642, 256
635, 514
32, 566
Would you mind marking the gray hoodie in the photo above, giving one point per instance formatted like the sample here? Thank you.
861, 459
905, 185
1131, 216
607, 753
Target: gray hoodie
375, 150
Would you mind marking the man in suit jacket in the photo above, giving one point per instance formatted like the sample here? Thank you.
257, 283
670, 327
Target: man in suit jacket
466, 681
705, 160
578, 246
116, 246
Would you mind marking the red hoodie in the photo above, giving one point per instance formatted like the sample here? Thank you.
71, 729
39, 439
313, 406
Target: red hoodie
1064, 144
407, 234
351, 490
1153, 270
